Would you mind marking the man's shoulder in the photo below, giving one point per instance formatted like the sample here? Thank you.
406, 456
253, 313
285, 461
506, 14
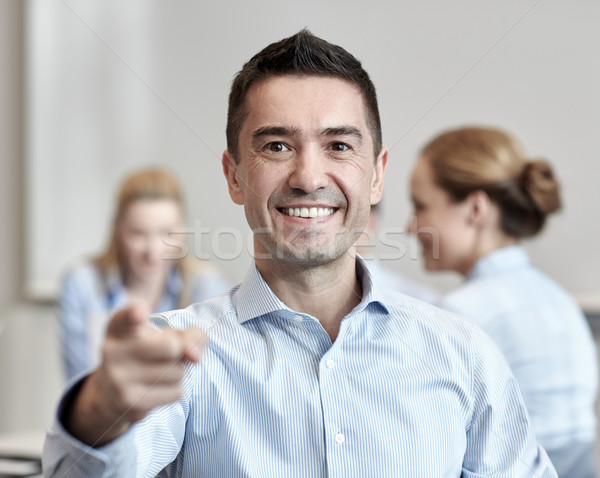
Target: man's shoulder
444, 339
387, 278
205, 314
429, 318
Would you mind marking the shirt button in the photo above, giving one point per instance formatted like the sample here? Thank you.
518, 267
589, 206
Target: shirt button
339, 438
298, 318
330, 363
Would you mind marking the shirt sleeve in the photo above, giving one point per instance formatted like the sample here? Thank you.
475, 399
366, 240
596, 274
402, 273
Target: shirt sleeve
65, 456
500, 439
73, 310
142, 452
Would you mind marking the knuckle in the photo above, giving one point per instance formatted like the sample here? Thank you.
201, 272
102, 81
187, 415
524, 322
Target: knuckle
177, 372
134, 401
172, 344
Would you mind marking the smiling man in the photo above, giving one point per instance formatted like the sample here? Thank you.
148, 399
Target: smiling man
305, 369
307, 176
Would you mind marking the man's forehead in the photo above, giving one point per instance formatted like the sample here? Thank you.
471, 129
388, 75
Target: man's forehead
289, 97
269, 84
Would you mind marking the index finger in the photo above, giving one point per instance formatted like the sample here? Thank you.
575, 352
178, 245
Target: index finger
129, 322
171, 345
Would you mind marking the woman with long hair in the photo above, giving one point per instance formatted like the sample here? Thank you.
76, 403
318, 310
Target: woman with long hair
138, 265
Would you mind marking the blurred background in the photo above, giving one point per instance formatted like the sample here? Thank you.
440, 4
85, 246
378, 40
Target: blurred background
93, 89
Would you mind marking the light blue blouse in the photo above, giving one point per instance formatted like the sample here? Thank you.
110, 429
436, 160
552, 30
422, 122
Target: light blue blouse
406, 390
548, 345
87, 301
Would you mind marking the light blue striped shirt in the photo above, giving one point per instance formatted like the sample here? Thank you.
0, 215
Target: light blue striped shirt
406, 390
548, 345
388, 278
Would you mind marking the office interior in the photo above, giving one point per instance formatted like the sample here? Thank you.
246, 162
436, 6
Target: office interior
31, 376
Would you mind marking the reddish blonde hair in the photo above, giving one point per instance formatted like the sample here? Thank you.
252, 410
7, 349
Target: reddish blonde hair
469, 159
151, 183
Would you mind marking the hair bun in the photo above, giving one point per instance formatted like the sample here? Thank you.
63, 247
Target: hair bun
541, 186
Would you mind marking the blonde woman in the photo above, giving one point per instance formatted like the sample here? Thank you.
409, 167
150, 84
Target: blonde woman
134, 267
475, 197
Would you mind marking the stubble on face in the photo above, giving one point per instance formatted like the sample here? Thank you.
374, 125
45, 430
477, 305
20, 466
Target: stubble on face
311, 113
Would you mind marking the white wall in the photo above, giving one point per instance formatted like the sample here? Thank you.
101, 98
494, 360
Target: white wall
30, 380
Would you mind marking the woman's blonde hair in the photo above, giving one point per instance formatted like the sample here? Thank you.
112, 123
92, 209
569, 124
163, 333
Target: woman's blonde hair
151, 183
470, 159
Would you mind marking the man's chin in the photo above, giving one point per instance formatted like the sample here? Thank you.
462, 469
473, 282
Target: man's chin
307, 257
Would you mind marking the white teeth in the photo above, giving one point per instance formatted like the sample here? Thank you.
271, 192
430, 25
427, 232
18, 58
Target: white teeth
308, 212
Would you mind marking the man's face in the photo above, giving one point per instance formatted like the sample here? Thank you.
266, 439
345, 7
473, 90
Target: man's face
306, 174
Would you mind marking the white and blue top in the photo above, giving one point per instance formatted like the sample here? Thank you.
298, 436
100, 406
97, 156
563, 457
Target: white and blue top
548, 345
405, 390
87, 300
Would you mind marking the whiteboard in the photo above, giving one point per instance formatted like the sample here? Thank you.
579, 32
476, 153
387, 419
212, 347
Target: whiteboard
114, 85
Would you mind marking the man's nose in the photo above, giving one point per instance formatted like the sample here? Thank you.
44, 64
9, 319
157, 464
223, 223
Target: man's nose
309, 171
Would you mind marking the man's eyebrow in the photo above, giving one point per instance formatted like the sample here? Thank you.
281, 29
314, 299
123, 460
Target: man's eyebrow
343, 130
275, 131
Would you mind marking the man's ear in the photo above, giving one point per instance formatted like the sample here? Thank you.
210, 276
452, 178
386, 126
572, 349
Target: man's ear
378, 176
479, 208
230, 170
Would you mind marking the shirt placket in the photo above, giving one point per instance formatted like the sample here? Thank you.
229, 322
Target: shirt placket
332, 385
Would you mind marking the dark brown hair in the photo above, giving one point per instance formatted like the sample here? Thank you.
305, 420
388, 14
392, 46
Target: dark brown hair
302, 54
470, 159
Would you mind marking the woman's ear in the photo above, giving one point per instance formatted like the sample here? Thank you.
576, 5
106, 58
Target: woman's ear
230, 170
479, 208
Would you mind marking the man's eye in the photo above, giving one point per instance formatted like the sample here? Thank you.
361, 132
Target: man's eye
276, 147
340, 147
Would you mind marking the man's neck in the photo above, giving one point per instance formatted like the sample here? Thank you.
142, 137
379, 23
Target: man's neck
328, 291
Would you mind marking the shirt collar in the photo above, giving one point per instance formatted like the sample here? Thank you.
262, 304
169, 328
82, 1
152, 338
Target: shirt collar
254, 298
500, 260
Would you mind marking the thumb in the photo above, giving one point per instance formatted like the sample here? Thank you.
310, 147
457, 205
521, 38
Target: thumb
129, 322
194, 342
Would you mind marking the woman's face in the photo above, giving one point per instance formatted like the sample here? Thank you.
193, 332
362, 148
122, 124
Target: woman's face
140, 234
441, 225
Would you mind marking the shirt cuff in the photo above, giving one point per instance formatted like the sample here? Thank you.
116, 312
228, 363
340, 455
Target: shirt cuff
64, 455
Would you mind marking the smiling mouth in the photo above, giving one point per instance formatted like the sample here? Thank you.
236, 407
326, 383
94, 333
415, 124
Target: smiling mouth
307, 211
